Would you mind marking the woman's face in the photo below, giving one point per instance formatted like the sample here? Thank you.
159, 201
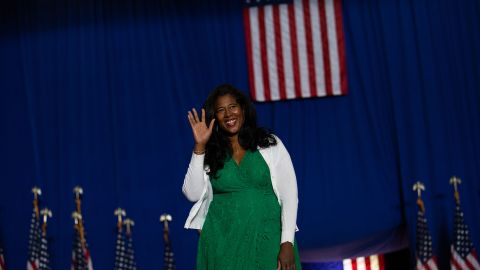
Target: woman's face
229, 114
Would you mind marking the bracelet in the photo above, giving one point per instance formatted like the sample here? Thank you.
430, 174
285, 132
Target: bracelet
199, 152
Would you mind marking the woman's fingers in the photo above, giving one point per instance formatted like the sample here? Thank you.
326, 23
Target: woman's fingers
195, 114
210, 127
203, 115
190, 118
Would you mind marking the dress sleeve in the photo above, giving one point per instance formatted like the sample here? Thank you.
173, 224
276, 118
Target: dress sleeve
287, 192
194, 183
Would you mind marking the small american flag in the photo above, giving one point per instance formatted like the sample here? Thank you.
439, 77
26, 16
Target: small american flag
2, 260
295, 49
34, 239
130, 252
425, 258
44, 260
120, 252
464, 256
81, 259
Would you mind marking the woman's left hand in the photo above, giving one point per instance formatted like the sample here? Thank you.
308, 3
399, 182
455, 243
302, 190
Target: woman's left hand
286, 257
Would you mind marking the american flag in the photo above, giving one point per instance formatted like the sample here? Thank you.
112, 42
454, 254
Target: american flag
130, 254
168, 258
295, 49
374, 262
44, 260
464, 256
81, 259
120, 251
78, 258
425, 258
2, 260
34, 239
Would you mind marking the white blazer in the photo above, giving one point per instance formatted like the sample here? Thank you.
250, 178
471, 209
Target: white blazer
197, 188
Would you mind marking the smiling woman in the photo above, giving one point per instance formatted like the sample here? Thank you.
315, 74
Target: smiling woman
242, 181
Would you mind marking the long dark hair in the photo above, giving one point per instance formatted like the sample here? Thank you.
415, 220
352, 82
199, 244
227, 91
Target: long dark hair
250, 135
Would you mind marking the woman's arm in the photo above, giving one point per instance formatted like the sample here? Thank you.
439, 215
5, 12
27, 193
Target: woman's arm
287, 192
194, 183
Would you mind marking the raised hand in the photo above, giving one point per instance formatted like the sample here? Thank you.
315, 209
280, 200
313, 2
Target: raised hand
201, 132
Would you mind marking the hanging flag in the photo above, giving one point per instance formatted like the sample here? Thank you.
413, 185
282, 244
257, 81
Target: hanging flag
295, 49
374, 262
120, 252
130, 254
3, 266
44, 258
81, 258
168, 258
463, 254
34, 238
425, 258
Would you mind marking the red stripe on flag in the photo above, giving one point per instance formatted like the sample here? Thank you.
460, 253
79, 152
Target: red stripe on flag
248, 39
263, 50
325, 47
294, 48
354, 264
308, 35
341, 46
279, 52
367, 263
380, 262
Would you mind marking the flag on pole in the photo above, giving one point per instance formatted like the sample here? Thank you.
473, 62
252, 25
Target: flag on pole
168, 257
44, 258
34, 238
463, 253
424, 251
295, 49
120, 251
81, 258
130, 253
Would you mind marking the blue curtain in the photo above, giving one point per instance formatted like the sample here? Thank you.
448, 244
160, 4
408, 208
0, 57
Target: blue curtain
95, 93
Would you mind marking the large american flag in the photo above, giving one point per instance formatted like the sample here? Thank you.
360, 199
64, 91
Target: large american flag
296, 49
464, 256
424, 252
120, 250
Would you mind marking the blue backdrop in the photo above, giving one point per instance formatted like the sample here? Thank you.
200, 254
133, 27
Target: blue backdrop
96, 93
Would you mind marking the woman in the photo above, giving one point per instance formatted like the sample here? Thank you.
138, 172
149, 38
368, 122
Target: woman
244, 185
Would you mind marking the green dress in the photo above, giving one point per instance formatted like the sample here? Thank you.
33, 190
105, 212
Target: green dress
242, 229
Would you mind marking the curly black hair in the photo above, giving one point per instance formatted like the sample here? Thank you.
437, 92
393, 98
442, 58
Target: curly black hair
250, 135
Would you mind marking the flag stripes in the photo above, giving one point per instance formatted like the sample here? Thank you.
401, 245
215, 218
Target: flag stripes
295, 50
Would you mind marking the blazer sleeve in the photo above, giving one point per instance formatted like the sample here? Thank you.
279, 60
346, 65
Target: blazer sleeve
194, 183
287, 192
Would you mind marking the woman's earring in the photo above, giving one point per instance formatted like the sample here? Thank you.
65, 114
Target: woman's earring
216, 128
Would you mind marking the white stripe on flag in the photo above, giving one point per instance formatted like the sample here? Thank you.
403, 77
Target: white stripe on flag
347, 264
287, 52
432, 264
473, 261
374, 262
318, 49
256, 57
361, 264
302, 49
271, 53
333, 48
